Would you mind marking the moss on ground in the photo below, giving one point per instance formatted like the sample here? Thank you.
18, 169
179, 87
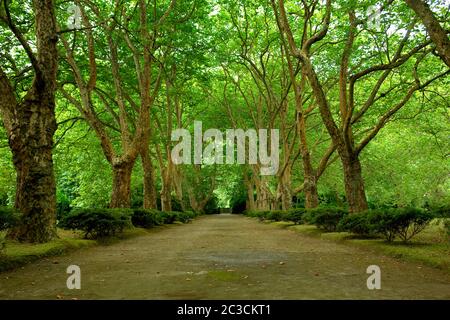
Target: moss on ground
430, 247
224, 275
16, 254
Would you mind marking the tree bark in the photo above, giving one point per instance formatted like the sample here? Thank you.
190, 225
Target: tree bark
250, 187
263, 195
149, 181
285, 189
121, 187
178, 187
30, 125
310, 177
437, 34
354, 184
31, 145
166, 199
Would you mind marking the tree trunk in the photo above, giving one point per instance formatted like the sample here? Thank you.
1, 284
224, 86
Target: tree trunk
166, 199
311, 195
30, 125
354, 184
31, 146
250, 202
149, 181
310, 177
121, 187
262, 196
286, 193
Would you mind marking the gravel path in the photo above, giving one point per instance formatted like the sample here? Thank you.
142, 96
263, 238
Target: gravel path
224, 257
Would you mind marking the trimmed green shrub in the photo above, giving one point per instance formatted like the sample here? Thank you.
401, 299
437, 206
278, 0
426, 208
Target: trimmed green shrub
411, 221
183, 217
168, 217
98, 223
191, 215
276, 215
326, 218
146, 218
404, 223
257, 214
355, 223
295, 215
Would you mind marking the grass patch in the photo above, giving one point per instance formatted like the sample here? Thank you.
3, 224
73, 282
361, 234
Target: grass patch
431, 247
226, 276
281, 224
17, 254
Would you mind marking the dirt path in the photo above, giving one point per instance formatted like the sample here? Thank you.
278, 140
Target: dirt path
224, 257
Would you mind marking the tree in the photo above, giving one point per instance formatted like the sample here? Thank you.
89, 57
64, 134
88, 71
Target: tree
130, 110
372, 75
30, 125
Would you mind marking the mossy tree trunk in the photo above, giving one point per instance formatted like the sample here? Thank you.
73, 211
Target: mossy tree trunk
30, 124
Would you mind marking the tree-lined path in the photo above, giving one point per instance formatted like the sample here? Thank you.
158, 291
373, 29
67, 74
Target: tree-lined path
224, 257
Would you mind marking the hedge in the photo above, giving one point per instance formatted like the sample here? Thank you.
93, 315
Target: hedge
292, 215
97, 223
325, 218
146, 218
295, 215
106, 222
403, 223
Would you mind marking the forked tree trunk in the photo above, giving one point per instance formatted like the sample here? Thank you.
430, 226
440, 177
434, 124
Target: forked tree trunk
149, 181
354, 184
121, 187
30, 125
310, 177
